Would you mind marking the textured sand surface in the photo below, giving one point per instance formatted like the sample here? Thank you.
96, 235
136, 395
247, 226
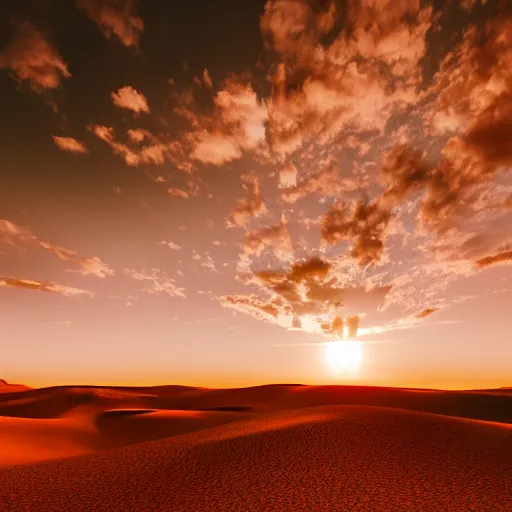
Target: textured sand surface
268, 448
324, 458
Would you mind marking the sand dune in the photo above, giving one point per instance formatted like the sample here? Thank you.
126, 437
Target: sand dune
274, 447
325, 458
25, 440
5, 387
120, 427
55, 402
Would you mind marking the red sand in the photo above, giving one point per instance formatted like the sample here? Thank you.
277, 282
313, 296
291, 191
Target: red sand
303, 457
12, 388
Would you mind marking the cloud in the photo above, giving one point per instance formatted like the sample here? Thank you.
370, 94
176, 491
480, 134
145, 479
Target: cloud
467, 5
215, 148
489, 135
129, 98
160, 282
326, 182
171, 245
471, 102
115, 17
138, 135
449, 192
154, 152
276, 237
251, 305
248, 207
207, 80
70, 144
15, 235
473, 76
206, 260
31, 57
365, 227
307, 296
240, 112
356, 82
107, 135
426, 312
288, 176
403, 170
504, 257
352, 323
429, 156
30, 284
143, 147
236, 125
292, 27
178, 192
342, 328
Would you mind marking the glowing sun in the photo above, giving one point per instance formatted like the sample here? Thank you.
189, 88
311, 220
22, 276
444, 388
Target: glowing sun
343, 356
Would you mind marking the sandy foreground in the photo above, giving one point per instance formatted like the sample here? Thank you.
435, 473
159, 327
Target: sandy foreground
268, 448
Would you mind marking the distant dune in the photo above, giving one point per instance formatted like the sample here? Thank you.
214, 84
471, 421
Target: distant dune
266, 448
5, 387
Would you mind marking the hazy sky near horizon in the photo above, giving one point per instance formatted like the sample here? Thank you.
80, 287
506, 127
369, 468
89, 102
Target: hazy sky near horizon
193, 192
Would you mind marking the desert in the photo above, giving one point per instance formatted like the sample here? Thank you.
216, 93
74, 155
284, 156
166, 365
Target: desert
255, 256
275, 447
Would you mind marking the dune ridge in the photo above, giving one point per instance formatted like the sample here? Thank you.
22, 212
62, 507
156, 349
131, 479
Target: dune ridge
57, 401
265, 448
6, 387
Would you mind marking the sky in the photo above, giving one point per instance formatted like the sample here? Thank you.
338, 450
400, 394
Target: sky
211, 193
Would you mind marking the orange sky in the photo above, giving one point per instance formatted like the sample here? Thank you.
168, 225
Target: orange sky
194, 194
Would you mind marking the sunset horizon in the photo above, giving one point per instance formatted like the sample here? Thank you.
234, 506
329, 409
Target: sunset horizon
177, 216
274, 227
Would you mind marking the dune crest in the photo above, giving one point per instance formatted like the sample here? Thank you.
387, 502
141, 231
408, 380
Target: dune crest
5, 387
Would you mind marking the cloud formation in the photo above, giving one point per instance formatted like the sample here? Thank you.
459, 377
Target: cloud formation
18, 236
143, 147
237, 124
178, 192
250, 206
364, 125
504, 257
207, 80
326, 182
171, 245
115, 17
424, 313
365, 227
276, 237
419, 150
160, 282
32, 58
129, 98
70, 144
308, 296
31, 284
364, 76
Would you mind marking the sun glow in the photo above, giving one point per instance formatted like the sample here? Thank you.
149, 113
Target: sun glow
343, 356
